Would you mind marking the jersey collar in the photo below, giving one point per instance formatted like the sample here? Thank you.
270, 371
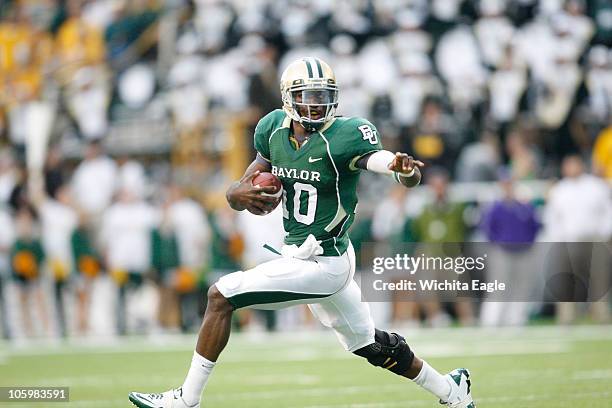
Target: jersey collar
286, 122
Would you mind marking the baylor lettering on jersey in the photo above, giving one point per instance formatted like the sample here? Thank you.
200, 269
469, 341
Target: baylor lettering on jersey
319, 179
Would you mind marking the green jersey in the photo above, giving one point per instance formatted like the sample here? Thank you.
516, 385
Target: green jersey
320, 178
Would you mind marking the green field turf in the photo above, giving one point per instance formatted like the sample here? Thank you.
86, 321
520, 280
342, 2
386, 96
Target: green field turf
535, 367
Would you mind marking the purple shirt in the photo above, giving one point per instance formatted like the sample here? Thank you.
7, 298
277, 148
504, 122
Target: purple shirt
510, 221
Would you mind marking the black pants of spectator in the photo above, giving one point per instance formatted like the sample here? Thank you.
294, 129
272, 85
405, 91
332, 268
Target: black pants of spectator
269, 317
6, 333
135, 280
189, 311
60, 307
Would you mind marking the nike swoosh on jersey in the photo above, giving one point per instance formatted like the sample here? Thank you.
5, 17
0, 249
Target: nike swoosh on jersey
311, 160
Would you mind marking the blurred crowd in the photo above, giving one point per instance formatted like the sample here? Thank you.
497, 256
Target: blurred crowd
107, 249
90, 223
575, 210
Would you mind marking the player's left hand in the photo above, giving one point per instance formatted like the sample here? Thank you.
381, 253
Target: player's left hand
402, 163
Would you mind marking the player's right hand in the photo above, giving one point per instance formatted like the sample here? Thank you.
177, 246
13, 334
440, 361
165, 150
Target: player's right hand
244, 195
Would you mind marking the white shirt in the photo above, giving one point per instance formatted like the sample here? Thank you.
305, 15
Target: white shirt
458, 57
385, 220
89, 109
377, 67
93, 184
192, 230
579, 209
126, 234
58, 222
408, 96
188, 99
506, 87
131, 177
7, 237
494, 34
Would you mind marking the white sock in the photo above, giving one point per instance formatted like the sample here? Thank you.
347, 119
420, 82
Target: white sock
197, 377
433, 382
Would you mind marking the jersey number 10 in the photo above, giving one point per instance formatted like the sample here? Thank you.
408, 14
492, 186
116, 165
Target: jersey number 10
311, 203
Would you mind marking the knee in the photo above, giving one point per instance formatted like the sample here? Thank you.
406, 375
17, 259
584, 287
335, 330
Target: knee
389, 351
217, 302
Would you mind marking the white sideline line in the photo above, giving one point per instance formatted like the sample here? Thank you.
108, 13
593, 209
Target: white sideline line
187, 341
155, 381
322, 345
438, 350
589, 375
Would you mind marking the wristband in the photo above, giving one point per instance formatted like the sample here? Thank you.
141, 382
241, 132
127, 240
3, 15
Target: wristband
397, 175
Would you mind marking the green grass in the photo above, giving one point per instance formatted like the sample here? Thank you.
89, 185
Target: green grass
535, 367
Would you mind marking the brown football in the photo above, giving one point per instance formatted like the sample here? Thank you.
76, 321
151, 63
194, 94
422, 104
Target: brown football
268, 179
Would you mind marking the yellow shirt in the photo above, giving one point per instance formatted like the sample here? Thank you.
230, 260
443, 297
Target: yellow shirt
80, 43
14, 39
23, 54
602, 153
26, 84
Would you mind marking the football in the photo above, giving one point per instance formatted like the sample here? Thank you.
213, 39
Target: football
268, 179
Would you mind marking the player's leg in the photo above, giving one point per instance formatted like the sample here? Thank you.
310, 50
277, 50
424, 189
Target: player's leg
215, 329
275, 284
351, 320
212, 339
391, 352
272, 285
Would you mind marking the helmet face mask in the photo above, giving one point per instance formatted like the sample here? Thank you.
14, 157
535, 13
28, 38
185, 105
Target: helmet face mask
310, 93
315, 107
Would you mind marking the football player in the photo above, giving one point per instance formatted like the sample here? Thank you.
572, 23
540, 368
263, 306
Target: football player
318, 158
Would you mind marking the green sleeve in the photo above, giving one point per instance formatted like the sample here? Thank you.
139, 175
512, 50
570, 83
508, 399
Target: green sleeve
261, 144
358, 137
263, 130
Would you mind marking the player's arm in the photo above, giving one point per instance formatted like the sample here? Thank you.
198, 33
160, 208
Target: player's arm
242, 194
402, 167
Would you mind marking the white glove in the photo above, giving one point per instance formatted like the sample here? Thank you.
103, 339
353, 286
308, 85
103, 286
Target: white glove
308, 249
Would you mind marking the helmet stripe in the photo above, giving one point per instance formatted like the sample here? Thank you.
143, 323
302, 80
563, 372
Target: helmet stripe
319, 67
307, 62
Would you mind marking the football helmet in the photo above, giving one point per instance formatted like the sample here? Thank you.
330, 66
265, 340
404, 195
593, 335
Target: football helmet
310, 93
